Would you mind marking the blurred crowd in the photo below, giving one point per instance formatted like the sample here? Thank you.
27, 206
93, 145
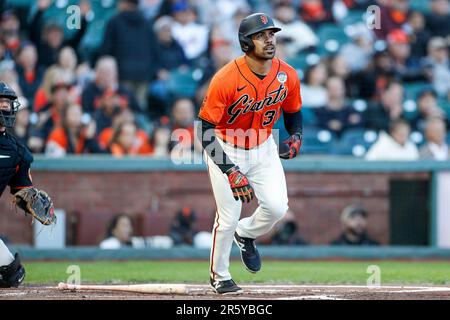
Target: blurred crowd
367, 92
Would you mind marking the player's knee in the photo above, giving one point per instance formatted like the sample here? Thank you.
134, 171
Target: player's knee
277, 209
13, 274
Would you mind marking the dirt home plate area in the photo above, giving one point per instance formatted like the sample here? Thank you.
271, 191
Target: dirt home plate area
251, 292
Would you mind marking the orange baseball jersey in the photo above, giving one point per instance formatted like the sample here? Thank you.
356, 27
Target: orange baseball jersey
243, 107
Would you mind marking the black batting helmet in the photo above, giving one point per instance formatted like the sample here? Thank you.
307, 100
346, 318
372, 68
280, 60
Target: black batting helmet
8, 117
252, 24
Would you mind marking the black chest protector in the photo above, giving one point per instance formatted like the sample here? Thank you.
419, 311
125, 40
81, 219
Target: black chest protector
12, 155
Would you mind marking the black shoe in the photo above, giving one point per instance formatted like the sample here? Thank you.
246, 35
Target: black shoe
225, 287
13, 274
249, 254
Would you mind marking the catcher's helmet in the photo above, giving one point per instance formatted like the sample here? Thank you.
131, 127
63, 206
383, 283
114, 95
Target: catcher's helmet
8, 117
252, 24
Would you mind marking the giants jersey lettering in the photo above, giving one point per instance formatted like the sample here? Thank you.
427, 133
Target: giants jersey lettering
243, 107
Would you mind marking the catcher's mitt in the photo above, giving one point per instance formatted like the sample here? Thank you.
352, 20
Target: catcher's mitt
37, 203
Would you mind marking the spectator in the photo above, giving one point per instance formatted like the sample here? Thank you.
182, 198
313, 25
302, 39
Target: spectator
428, 107
296, 35
169, 56
358, 53
119, 233
338, 67
50, 39
438, 20
406, 67
105, 135
161, 138
184, 227
220, 53
370, 83
10, 34
337, 115
67, 61
106, 85
109, 105
9, 75
52, 76
192, 37
354, 223
392, 16
150, 8
436, 147
313, 91
209, 10
130, 40
418, 35
72, 136
126, 141
437, 65
389, 109
316, 12
29, 72
285, 231
229, 30
395, 145
21, 128
49, 116
183, 113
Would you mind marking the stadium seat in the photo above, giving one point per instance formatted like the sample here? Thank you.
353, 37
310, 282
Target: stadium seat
355, 142
413, 89
309, 117
182, 83
352, 17
445, 105
420, 5
331, 38
302, 61
410, 109
318, 141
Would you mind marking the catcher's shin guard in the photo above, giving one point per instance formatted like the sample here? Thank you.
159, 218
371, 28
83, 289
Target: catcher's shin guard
13, 274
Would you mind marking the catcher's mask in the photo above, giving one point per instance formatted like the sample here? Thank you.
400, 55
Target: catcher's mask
8, 116
252, 24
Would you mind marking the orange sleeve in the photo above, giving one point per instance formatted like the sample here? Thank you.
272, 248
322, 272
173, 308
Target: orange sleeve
293, 101
104, 138
146, 147
40, 99
58, 135
215, 101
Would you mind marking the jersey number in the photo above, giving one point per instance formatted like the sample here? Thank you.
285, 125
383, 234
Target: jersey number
269, 116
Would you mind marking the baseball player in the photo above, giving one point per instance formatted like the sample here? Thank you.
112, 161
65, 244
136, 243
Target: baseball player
15, 160
244, 100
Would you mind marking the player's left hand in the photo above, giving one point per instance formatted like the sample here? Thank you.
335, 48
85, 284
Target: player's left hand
290, 148
37, 203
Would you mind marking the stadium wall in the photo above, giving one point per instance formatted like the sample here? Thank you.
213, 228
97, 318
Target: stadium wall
93, 189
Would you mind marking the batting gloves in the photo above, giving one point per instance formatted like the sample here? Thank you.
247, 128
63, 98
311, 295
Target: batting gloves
290, 148
239, 185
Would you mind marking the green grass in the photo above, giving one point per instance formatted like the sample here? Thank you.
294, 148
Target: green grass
298, 272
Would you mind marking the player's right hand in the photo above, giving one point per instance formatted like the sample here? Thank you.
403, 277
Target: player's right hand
239, 185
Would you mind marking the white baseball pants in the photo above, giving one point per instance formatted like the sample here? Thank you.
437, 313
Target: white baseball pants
263, 168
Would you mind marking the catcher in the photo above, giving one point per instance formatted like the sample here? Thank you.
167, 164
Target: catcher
15, 160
